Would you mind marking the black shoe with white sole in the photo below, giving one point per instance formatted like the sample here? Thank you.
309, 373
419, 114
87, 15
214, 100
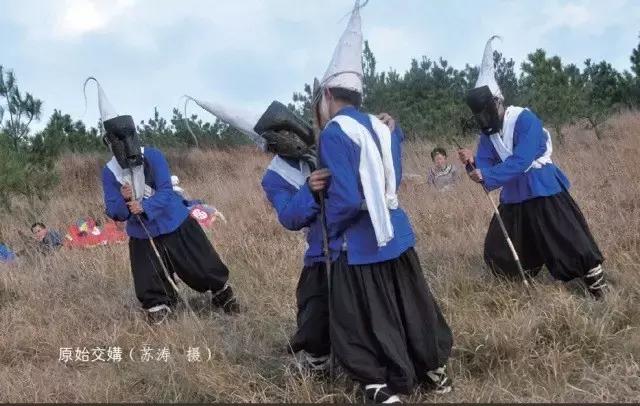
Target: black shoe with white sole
438, 381
225, 299
379, 394
315, 364
158, 314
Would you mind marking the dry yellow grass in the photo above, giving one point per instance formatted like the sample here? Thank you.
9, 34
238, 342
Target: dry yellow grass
555, 346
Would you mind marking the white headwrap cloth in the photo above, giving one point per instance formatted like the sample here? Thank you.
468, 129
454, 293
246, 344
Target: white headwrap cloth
487, 74
240, 119
345, 68
107, 111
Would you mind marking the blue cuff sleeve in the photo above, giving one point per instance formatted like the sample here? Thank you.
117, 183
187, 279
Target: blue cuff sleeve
155, 205
296, 209
485, 155
115, 206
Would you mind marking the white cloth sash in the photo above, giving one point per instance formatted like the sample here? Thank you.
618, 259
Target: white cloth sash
123, 176
377, 173
503, 141
295, 177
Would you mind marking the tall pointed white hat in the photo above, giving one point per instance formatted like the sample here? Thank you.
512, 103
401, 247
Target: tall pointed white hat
107, 111
241, 119
487, 74
345, 68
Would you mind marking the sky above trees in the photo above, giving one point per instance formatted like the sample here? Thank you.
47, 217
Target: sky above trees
148, 54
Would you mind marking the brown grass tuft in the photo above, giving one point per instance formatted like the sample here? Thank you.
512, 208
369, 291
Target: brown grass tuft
556, 346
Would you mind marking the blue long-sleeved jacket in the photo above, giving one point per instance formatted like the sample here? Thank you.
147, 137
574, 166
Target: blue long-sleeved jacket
163, 213
529, 144
346, 221
296, 209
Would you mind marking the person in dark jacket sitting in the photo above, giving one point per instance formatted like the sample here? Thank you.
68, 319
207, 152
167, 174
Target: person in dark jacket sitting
49, 240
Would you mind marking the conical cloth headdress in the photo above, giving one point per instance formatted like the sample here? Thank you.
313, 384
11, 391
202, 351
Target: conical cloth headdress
487, 74
121, 137
345, 68
107, 112
240, 119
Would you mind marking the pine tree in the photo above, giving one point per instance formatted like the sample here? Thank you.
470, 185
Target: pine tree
635, 61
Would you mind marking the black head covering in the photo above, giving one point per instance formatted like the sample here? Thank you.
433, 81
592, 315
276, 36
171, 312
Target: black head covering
479, 98
123, 140
485, 110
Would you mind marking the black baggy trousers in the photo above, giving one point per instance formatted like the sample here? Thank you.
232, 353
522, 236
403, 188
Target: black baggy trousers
187, 252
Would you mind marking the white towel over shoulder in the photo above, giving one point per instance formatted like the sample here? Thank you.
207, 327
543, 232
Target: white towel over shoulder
377, 174
295, 177
123, 176
503, 141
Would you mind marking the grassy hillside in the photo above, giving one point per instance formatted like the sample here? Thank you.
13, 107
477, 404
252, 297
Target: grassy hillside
556, 345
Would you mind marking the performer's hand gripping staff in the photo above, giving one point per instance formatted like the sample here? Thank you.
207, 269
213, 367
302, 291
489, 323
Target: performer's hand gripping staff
476, 176
126, 148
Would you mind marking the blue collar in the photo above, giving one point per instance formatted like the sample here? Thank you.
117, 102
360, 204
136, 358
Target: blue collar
347, 110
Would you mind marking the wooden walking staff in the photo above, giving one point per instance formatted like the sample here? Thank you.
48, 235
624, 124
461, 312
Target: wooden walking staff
471, 167
323, 220
165, 271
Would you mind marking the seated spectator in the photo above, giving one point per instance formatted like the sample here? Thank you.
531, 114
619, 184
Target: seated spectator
49, 239
442, 175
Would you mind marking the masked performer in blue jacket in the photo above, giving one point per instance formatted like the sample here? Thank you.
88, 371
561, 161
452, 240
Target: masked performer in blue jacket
137, 189
542, 219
